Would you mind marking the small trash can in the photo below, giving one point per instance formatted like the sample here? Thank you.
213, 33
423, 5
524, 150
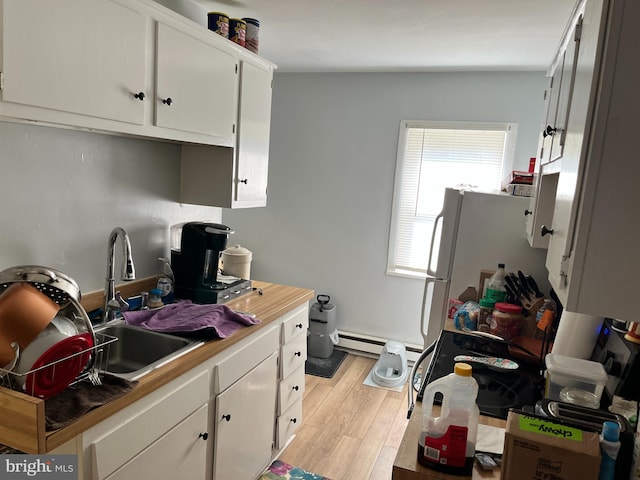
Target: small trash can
322, 334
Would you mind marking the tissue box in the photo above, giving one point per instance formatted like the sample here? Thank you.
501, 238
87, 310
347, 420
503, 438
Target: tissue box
536, 448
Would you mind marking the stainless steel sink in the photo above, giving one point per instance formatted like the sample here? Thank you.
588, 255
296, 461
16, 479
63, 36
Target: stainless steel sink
138, 351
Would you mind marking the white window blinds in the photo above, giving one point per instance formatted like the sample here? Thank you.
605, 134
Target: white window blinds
431, 157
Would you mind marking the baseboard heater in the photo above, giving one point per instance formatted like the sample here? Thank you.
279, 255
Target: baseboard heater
370, 344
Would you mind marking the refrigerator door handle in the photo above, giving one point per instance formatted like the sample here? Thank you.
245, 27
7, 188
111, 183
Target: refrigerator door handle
433, 240
423, 326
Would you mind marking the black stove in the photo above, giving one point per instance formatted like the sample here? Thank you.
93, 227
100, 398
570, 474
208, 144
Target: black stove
498, 391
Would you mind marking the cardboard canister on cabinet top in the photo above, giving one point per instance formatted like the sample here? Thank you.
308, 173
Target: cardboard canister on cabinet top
218, 22
237, 31
252, 34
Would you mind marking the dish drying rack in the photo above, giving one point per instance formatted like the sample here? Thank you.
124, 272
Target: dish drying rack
65, 292
92, 372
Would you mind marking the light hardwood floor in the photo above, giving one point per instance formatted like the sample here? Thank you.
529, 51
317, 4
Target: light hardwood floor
350, 430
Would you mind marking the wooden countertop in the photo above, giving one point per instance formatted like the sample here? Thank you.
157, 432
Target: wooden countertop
406, 466
268, 302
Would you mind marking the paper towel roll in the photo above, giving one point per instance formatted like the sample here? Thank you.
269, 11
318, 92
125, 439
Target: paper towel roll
577, 334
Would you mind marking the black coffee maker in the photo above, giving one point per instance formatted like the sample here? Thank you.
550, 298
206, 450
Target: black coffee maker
195, 265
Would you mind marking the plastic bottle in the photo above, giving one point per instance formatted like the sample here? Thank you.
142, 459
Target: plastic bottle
495, 287
166, 280
155, 299
447, 443
545, 316
609, 447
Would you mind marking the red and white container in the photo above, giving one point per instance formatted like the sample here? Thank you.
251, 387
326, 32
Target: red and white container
252, 35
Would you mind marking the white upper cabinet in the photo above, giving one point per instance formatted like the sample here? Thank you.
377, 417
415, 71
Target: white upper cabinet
593, 259
66, 56
235, 177
130, 67
196, 85
252, 155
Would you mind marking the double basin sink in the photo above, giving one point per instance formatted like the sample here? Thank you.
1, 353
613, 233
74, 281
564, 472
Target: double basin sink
138, 351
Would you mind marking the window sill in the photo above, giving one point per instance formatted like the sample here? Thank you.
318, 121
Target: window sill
406, 274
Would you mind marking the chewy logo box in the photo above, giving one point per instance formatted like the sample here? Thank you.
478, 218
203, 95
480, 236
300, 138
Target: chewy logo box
537, 449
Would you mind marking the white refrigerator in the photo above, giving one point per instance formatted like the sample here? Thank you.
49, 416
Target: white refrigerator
475, 231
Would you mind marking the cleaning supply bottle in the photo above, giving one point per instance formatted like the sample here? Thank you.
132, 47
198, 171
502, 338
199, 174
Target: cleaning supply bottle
166, 281
447, 443
496, 290
609, 448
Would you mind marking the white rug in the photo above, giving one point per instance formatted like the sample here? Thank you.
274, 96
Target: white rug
370, 382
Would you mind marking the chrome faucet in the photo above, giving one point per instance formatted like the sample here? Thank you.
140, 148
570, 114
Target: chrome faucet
111, 301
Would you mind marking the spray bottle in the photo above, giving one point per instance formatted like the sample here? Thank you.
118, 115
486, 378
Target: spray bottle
166, 281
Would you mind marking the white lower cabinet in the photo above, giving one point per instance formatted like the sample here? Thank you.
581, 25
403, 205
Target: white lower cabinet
293, 354
168, 427
244, 426
180, 453
227, 418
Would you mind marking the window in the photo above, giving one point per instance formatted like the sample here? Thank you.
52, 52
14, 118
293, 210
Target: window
431, 157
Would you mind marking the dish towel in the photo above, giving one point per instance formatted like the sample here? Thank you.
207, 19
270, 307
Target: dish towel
185, 316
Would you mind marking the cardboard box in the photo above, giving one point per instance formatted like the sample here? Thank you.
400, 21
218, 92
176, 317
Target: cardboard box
538, 449
520, 190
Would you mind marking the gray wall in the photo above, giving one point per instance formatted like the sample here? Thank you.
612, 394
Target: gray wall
63, 191
333, 151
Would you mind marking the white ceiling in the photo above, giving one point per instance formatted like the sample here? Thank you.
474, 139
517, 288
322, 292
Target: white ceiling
404, 35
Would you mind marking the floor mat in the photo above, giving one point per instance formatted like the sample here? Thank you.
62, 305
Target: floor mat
280, 470
324, 367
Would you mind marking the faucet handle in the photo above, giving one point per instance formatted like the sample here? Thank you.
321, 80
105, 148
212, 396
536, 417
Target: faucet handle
123, 306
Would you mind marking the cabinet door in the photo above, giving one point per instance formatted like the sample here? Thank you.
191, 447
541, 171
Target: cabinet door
245, 423
252, 154
551, 99
180, 453
575, 148
565, 92
196, 85
50, 61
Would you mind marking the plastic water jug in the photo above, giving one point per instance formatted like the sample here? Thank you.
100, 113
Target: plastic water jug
447, 443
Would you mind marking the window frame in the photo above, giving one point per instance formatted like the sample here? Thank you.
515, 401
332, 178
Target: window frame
510, 128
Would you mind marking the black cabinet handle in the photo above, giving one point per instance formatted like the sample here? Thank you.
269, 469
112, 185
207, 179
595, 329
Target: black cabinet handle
294, 420
227, 417
140, 95
548, 131
295, 387
544, 230
203, 436
167, 101
528, 212
297, 354
299, 325
244, 181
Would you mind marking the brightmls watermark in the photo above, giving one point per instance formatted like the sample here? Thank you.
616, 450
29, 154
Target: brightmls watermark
51, 467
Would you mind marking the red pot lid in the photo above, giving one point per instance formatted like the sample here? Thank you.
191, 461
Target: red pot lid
52, 380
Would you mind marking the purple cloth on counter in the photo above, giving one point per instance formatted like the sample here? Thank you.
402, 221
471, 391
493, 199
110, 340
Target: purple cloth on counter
185, 316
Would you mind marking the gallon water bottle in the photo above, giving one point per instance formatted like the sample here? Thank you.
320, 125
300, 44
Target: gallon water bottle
447, 443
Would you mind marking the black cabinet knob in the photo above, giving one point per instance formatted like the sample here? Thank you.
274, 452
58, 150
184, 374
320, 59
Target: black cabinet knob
140, 95
296, 388
203, 436
544, 230
294, 420
528, 212
227, 417
299, 325
167, 101
244, 181
297, 354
